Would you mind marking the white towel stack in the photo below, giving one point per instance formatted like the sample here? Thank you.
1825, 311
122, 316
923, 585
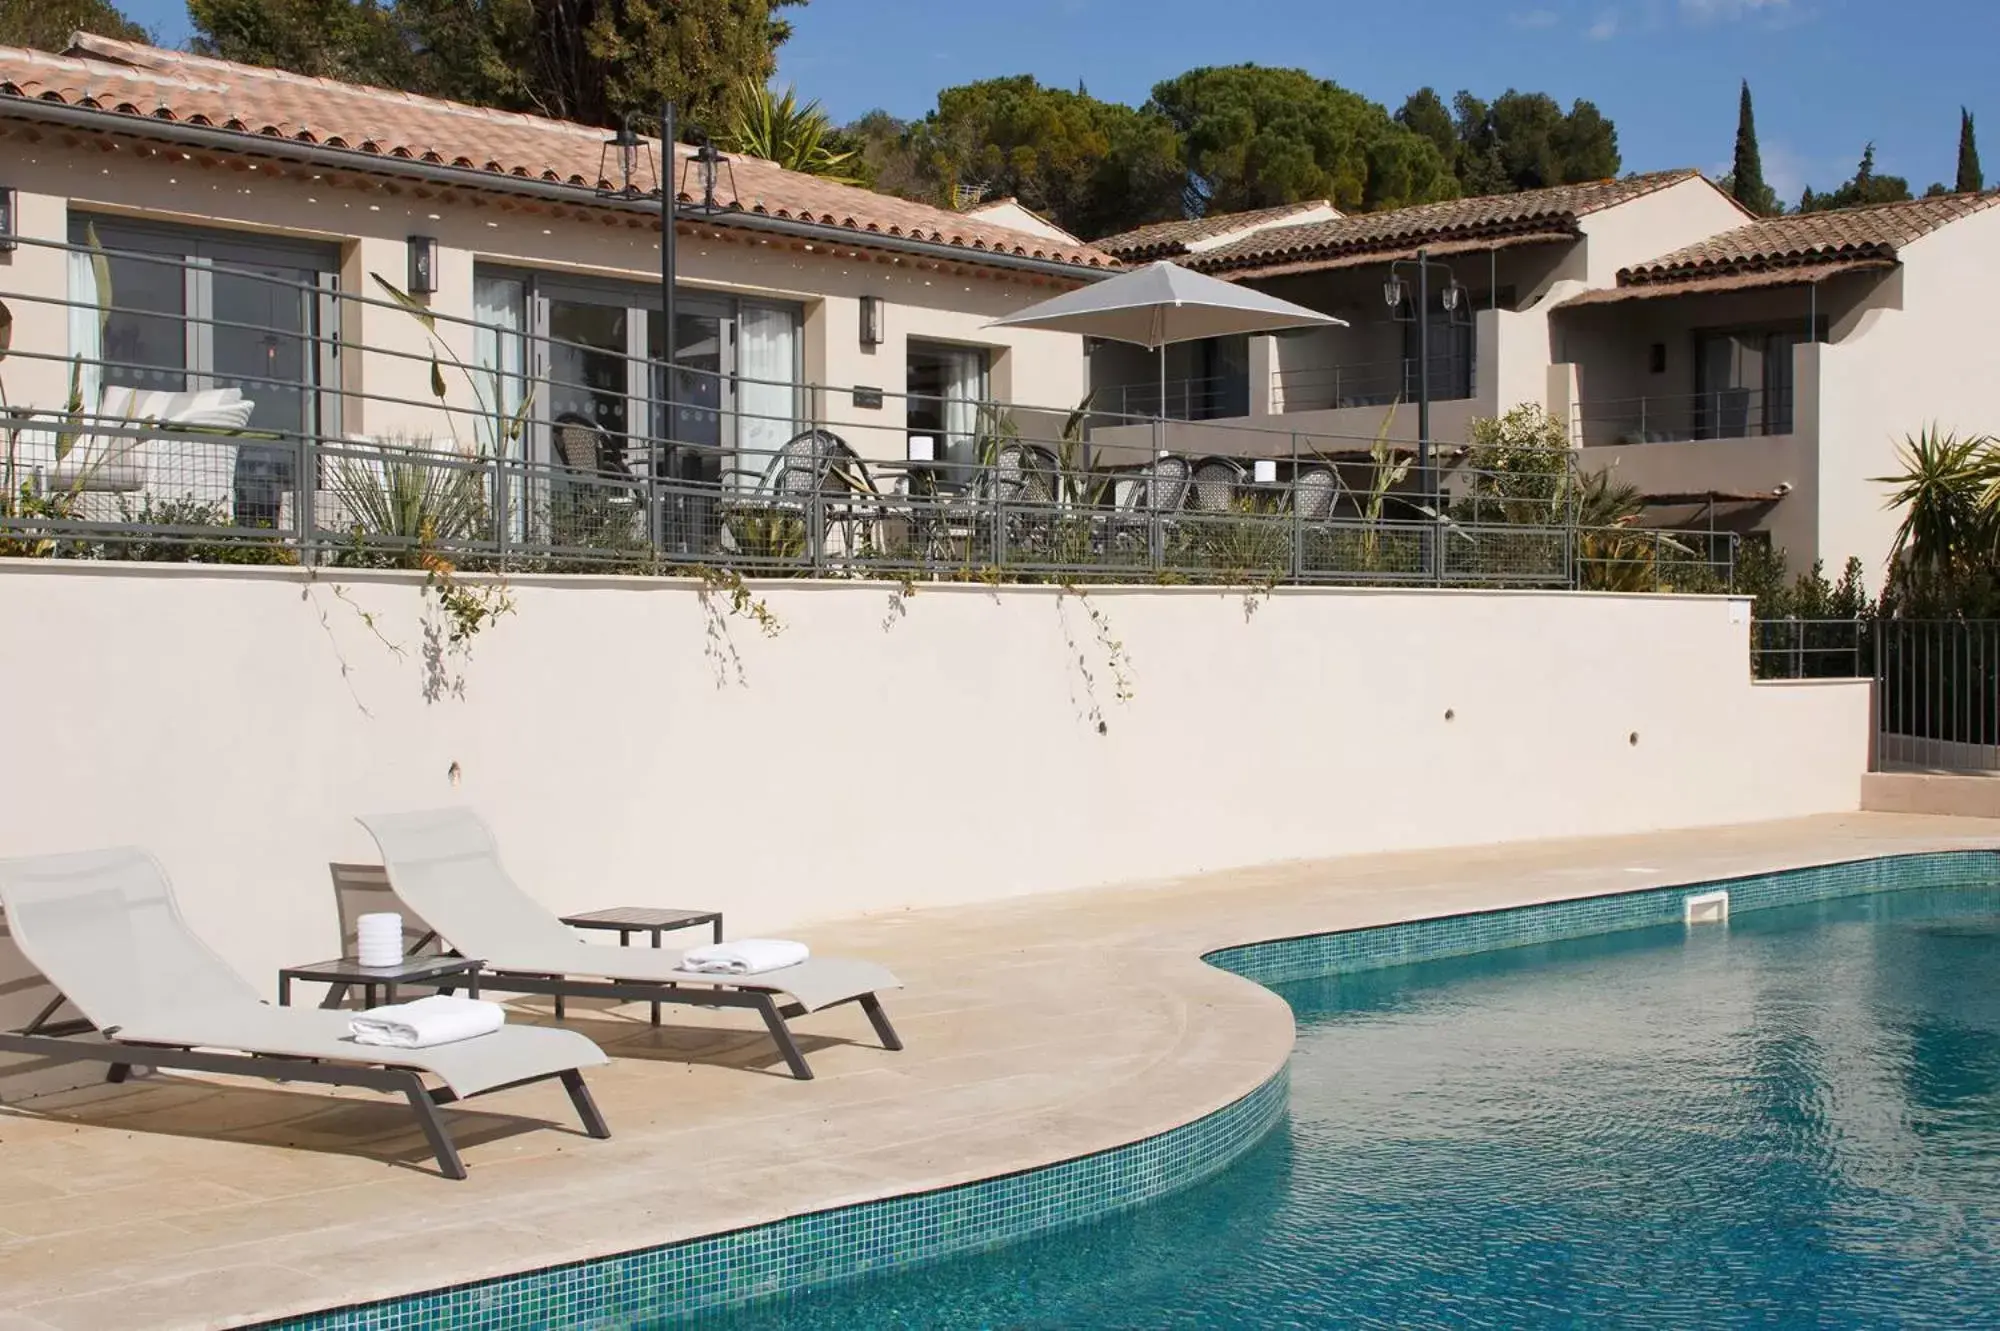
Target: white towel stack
439, 1019
745, 956
381, 939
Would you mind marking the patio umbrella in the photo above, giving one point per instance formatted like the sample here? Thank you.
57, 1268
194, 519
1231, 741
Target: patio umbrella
1163, 303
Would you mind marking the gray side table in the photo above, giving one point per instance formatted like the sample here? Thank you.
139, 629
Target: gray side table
345, 973
628, 920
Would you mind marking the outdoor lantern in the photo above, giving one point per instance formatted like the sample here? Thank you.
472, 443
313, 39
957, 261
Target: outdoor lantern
1450, 295
622, 152
923, 448
7, 241
871, 321
1264, 471
708, 164
423, 276
1392, 291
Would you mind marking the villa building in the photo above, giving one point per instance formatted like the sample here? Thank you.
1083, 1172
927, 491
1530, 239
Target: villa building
1745, 375
1508, 259
1760, 379
275, 203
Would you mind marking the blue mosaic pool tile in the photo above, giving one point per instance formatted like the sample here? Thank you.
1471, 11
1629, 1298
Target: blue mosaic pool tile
811, 1251
1316, 956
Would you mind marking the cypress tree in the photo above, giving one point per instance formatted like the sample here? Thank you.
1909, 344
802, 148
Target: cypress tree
1747, 176
1971, 179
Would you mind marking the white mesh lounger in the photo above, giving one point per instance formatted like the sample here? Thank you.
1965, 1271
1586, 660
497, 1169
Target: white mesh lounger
443, 865
103, 928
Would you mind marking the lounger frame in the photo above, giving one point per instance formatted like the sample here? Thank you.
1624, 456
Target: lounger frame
44, 1038
765, 1002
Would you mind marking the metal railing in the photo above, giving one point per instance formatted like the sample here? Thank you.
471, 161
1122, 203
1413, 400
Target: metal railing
1368, 383
1938, 694
1726, 413
1812, 648
325, 448
1203, 399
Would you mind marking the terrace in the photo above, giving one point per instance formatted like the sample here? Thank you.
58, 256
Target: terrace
253, 424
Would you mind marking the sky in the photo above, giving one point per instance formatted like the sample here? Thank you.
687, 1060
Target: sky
1828, 76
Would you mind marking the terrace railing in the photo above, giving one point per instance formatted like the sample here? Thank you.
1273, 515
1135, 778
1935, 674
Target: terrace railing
1368, 383
437, 437
1723, 413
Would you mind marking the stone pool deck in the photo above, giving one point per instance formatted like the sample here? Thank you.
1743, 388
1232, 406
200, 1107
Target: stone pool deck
1038, 1029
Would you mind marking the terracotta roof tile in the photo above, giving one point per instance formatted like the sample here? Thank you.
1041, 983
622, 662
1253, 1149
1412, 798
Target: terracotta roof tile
1876, 231
1163, 239
126, 76
1737, 279
1538, 211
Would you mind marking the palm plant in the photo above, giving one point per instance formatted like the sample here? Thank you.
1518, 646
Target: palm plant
1949, 491
778, 128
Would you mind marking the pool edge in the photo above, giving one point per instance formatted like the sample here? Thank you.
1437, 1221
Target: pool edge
838, 1244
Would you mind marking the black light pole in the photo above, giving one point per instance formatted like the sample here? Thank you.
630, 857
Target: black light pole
668, 189
1395, 291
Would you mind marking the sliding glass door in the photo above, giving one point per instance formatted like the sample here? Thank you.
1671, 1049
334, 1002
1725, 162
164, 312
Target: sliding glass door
190, 310
596, 349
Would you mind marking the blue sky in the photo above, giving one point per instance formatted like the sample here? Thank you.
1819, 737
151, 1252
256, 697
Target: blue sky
1828, 75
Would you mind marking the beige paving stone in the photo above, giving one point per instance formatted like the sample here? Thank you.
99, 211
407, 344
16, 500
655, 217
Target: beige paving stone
1038, 1029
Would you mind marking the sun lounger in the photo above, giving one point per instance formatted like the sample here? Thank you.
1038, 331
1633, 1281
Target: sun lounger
443, 865
103, 928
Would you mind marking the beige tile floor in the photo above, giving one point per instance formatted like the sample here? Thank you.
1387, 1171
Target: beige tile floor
1038, 1029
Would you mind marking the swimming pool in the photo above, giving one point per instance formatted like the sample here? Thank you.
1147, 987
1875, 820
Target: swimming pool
1792, 1120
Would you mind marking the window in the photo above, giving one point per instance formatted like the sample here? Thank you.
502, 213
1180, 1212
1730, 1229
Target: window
1451, 337
1743, 382
189, 310
598, 354
946, 384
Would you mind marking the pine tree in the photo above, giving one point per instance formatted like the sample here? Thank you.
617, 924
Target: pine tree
1971, 179
1746, 178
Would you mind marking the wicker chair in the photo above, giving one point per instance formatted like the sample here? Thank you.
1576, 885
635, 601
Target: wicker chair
1215, 484
776, 513
1313, 493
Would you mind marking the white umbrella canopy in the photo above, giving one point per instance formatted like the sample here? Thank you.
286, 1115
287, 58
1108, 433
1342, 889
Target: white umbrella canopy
1164, 303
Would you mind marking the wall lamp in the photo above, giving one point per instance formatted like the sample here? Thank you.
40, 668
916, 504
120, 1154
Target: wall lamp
423, 275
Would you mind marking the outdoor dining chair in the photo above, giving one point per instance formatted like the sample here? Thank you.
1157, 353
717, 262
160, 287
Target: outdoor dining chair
1215, 484
1313, 493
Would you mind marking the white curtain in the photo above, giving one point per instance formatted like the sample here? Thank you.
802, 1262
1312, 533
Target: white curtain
86, 331
964, 388
500, 354
766, 391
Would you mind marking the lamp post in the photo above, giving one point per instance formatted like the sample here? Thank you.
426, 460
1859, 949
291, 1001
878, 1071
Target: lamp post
631, 157
1395, 293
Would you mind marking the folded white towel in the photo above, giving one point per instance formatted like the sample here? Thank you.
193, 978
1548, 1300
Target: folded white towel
745, 956
439, 1019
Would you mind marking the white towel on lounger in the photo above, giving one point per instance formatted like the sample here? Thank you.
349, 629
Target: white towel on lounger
439, 1019
745, 956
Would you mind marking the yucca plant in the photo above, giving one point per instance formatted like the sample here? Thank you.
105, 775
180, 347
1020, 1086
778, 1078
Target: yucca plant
768, 535
778, 128
1949, 491
409, 495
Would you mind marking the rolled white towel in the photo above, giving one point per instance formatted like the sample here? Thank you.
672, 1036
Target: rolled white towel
439, 1019
745, 956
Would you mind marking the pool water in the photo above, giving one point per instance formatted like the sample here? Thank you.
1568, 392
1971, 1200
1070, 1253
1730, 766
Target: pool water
1790, 1121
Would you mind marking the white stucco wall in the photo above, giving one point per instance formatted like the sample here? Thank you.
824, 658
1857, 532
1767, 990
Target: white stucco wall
922, 300
1932, 361
867, 760
1653, 225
